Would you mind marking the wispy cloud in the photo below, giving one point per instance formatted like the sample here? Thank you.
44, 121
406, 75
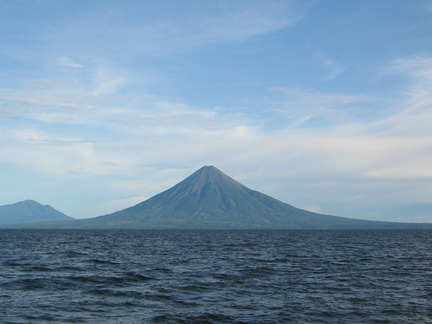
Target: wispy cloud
107, 82
419, 70
301, 105
413, 115
331, 67
213, 23
68, 62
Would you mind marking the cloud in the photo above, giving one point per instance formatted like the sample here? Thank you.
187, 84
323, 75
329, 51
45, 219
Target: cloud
107, 81
49, 96
80, 99
302, 105
47, 153
412, 115
419, 70
112, 29
332, 68
68, 62
238, 26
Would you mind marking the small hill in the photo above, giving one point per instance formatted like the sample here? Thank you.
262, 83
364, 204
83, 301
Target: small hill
209, 199
29, 211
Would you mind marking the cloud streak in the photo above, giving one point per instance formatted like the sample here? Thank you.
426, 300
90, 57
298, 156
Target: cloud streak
215, 23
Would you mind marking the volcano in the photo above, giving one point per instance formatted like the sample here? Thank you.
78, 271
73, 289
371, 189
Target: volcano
209, 199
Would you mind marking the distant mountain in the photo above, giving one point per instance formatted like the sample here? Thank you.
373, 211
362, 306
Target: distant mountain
29, 211
209, 199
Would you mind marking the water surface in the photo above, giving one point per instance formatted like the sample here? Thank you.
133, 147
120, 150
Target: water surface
72, 276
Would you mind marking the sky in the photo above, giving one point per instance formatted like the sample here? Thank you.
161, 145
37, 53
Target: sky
325, 105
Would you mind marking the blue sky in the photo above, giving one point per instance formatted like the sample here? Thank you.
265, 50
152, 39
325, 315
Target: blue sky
326, 105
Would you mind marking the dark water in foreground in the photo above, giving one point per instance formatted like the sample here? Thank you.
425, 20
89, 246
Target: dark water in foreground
215, 276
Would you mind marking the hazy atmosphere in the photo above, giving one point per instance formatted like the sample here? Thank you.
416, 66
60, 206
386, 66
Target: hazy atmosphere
325, 105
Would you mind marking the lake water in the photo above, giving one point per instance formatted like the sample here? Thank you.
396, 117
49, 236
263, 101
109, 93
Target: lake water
69, 276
